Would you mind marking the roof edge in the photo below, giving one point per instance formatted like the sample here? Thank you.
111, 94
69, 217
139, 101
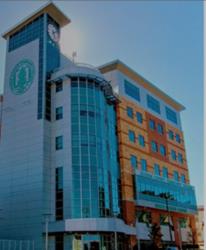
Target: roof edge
46, 8
119, 65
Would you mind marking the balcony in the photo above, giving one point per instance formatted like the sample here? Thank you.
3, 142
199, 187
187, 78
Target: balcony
150, 188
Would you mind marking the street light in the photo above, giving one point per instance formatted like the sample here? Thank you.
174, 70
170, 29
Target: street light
47, 215
168, 196
115, 233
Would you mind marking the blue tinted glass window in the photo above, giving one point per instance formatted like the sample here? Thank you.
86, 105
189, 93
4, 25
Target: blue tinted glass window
183, 178
181, 198
180, 158
177, 136
31, 31
162, 150
59, 178
153, 104
59, 194
165, 172
139, 117
133, 161
141, 140
160, 129
131, 136
171, 115
154, 146
59, 142
131, 90
152, 124
143, 165
175, 176
156, 169
173, 155
171, 135
59, 113
130, 112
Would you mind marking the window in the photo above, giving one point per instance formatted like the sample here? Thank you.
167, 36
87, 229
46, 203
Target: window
171, 115
152, 124
165, 172
177, 136
143, 165
154, 146
131, 136
139, 117
175, 176
59, 113
134, 186
141, 140
59, 193
130, 112
156, 169
59, 142
183, 178
153, 104
162, 150
180, 158
133, 161
171, 135
160, 129
59, 86
131, 90
173, 155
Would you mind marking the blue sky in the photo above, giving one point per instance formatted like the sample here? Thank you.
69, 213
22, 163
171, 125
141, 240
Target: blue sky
163, 41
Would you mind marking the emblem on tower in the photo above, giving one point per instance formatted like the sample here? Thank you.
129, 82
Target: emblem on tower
22, 77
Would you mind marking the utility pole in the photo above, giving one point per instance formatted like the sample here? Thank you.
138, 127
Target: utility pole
168, 196
115, 234
47, 215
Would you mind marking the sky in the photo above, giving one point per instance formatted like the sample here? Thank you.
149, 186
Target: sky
161, 40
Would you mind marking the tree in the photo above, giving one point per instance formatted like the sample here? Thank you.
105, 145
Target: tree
155, 234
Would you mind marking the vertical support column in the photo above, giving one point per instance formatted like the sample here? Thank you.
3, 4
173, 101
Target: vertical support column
155, 218
193, 228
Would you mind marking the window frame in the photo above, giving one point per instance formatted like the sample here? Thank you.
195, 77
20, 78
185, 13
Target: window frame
59, 115
59, 144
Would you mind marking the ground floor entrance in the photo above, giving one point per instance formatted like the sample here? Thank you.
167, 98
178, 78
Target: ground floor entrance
91, 241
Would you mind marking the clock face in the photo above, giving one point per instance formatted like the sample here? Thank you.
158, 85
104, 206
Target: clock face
53, 32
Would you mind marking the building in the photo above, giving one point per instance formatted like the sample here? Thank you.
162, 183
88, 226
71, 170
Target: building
1, 103
87, 155
200, 226
152, 157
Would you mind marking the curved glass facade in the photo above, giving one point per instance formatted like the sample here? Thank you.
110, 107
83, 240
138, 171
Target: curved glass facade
95, 169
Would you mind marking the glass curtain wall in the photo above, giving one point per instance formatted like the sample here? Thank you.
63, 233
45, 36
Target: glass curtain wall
95, 169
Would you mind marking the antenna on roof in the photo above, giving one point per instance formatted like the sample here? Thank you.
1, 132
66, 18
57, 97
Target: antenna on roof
74, 55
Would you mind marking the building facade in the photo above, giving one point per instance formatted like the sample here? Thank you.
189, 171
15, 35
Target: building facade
200, 226
153, 164
88, 157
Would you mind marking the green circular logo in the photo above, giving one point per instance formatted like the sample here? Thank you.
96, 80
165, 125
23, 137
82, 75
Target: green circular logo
22, 77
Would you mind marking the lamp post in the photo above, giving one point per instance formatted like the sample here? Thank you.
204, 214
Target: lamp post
138, 240
46, 215
115, 234
168, 196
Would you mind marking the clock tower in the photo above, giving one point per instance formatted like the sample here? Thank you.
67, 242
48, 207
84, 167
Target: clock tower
33, 52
